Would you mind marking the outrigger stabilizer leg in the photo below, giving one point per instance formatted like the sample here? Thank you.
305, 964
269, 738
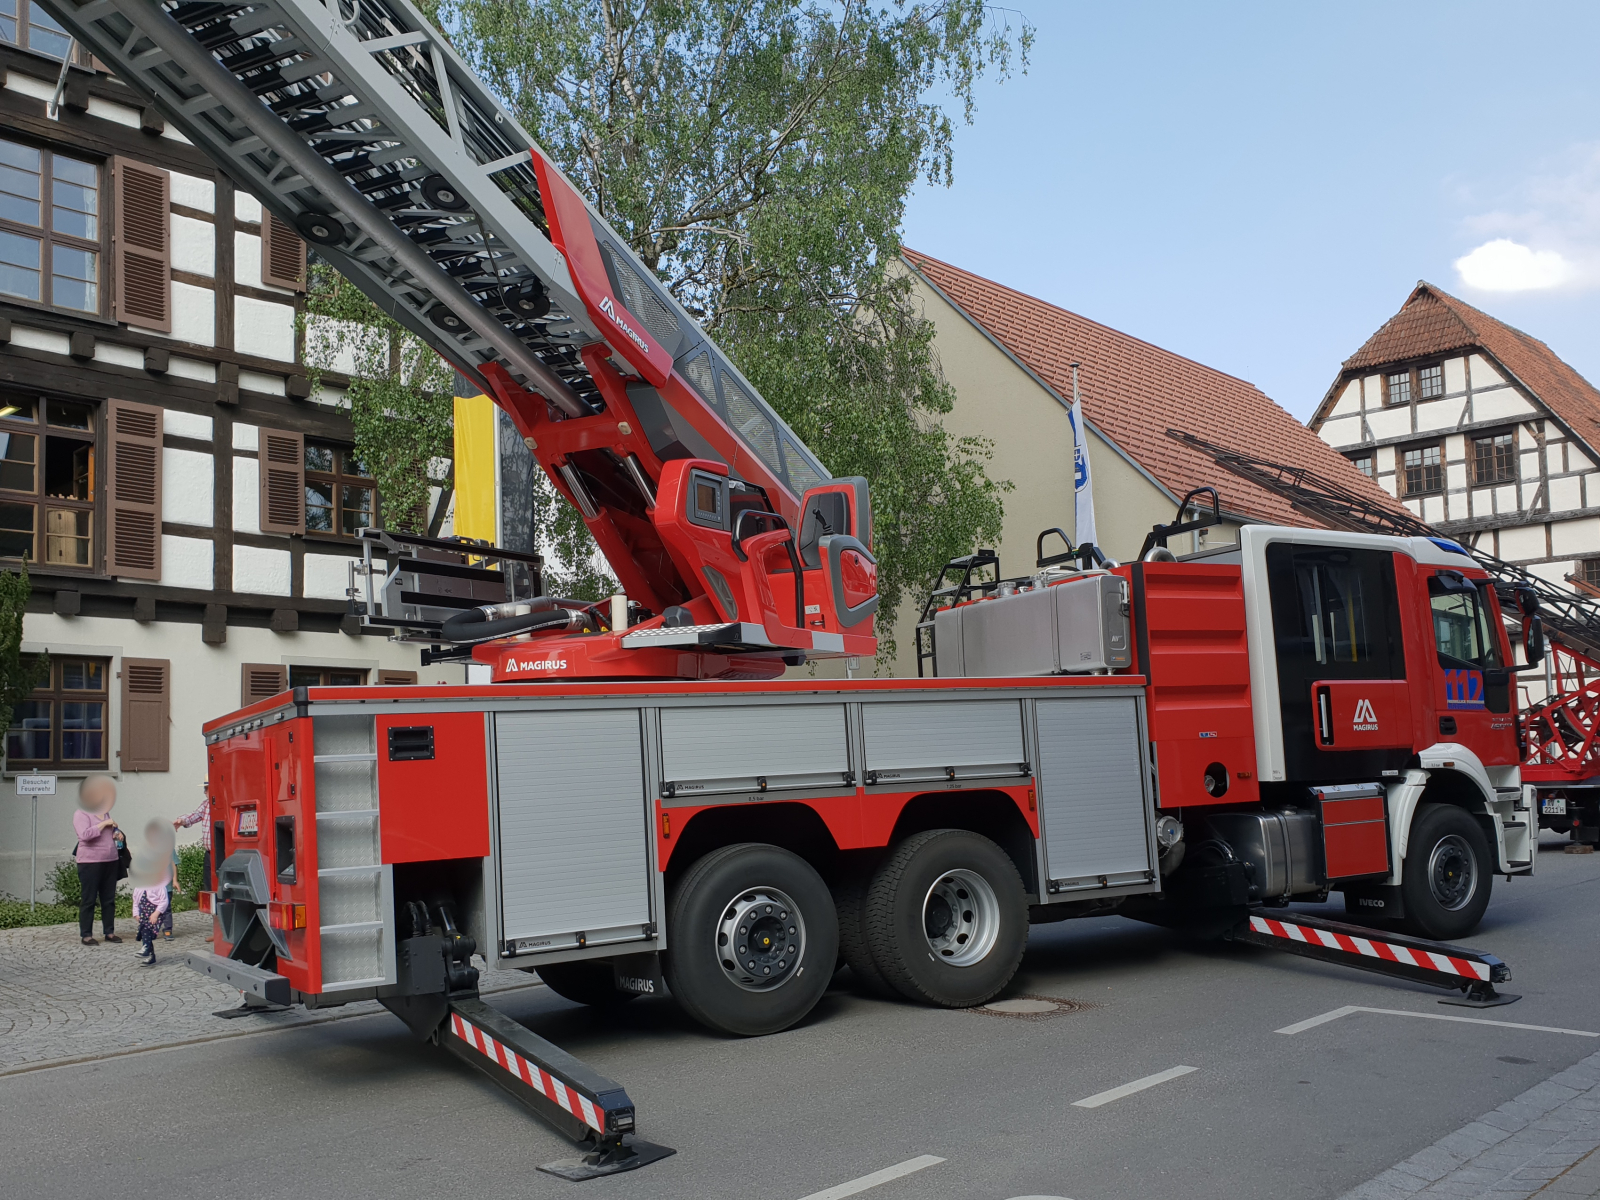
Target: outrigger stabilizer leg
568, 1095
1471, 972
562, 1091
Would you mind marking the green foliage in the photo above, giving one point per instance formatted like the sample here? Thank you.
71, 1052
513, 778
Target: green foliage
19, 674
63, 881
191, 859
401, 394
758, 154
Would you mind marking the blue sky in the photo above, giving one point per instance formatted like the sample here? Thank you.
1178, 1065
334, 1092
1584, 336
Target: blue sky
1259, 186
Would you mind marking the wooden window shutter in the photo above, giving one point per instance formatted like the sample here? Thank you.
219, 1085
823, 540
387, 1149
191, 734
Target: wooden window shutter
396, 677
141, 244
283, 481
133, 490
262, 680
283, 255
146, 714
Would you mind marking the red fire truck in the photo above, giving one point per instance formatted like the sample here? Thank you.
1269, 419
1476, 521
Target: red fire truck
638, 802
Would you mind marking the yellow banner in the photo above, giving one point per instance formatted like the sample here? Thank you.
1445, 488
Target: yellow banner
475, 449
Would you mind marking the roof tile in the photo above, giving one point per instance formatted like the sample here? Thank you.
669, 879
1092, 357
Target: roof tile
1133, 392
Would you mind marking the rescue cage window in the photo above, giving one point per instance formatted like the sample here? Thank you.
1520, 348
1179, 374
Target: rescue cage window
1461, 624
1335, 612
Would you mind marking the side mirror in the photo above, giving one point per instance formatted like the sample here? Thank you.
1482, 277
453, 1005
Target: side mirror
1533, 639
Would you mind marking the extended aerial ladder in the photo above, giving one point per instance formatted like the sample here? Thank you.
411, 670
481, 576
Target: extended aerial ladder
356, 122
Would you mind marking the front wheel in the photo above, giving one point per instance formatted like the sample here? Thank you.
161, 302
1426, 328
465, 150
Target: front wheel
946, 918
1448, 873
752, 939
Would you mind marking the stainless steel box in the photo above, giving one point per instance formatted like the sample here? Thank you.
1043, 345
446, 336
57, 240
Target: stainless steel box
1283, 847
1080, 625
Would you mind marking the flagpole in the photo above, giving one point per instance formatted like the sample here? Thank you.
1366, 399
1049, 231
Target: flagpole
1082, 482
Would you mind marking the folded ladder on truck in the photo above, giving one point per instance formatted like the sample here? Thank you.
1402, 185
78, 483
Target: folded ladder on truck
1472, 972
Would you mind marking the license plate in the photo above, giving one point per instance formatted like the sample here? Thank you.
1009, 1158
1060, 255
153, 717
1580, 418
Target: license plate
1553, 806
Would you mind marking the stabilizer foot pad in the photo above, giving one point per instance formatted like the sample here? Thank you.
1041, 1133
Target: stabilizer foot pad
1493, 1000
630, 1156
249, 1010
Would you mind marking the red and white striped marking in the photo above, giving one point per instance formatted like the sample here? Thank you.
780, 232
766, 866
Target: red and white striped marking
1426, 959
529, 1072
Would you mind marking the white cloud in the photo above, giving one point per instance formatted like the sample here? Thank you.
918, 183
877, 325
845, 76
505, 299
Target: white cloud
1503, 265
1540, 231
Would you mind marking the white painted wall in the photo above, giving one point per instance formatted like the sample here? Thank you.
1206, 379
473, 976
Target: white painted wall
205, 685
263, 329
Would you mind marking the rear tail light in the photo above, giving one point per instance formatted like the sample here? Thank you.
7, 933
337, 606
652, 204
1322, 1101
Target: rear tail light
208, 901
286, 916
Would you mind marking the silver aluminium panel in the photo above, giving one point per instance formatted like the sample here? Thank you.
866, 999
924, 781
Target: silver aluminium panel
727, 749
1092, 792
919, 740
574, 829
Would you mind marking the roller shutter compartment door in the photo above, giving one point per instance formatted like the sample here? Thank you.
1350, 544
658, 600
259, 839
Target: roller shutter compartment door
574, 829
1091, 789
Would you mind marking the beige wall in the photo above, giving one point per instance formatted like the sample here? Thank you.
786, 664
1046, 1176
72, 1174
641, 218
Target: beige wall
1031, 438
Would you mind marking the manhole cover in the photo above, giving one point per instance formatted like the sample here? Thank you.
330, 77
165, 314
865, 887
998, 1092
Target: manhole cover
1022, 1006
1025, 1007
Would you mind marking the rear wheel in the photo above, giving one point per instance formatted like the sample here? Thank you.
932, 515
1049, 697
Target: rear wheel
588, 982
753, 939
850, 897
1448, 873
946, 918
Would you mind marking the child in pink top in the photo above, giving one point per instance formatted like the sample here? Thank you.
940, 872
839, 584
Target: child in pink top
151, 876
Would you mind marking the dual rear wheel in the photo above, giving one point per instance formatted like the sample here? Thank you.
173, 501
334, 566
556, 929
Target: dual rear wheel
756, 933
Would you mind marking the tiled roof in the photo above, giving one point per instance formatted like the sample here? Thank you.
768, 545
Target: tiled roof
1134, 392
1432, 321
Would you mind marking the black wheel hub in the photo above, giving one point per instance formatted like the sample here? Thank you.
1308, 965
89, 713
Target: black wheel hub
938, 917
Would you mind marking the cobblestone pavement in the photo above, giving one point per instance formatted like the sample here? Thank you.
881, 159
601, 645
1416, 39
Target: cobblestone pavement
61, 1001
1544, 1143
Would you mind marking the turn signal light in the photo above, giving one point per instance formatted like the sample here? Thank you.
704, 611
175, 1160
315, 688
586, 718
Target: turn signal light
286, 916
208, 901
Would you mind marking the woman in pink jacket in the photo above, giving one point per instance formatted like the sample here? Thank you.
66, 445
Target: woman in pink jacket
98, 840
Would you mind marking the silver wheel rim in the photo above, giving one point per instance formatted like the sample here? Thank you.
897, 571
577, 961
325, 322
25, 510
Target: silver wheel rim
961, 918
1452, 872
760, 939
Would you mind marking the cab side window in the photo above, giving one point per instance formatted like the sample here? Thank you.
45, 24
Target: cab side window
1461, 624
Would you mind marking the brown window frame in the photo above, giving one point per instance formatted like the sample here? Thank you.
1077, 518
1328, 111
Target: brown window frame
1418, 390
24, 36
1370, 457
49, 238
1405, 471
1510, 458
327, 676
1589, 571
53, 692
43, 504
337, 480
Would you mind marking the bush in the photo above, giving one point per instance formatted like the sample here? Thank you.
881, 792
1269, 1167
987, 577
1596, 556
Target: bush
63, 880
191, 859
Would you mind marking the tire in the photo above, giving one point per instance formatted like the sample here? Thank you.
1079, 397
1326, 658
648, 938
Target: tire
850, 899
756, 889
926, 881
1448, 873
588, 982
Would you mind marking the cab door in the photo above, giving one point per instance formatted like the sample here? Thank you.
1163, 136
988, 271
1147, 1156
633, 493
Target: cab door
1342, 688
1471, 684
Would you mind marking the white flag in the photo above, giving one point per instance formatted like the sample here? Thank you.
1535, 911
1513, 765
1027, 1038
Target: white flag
1082, 485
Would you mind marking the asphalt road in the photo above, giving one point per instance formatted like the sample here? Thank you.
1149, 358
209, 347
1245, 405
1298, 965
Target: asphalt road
357, 1108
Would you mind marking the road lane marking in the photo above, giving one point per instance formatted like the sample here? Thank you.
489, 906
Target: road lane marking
1323, 1019
1128, 1089
910, 1167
